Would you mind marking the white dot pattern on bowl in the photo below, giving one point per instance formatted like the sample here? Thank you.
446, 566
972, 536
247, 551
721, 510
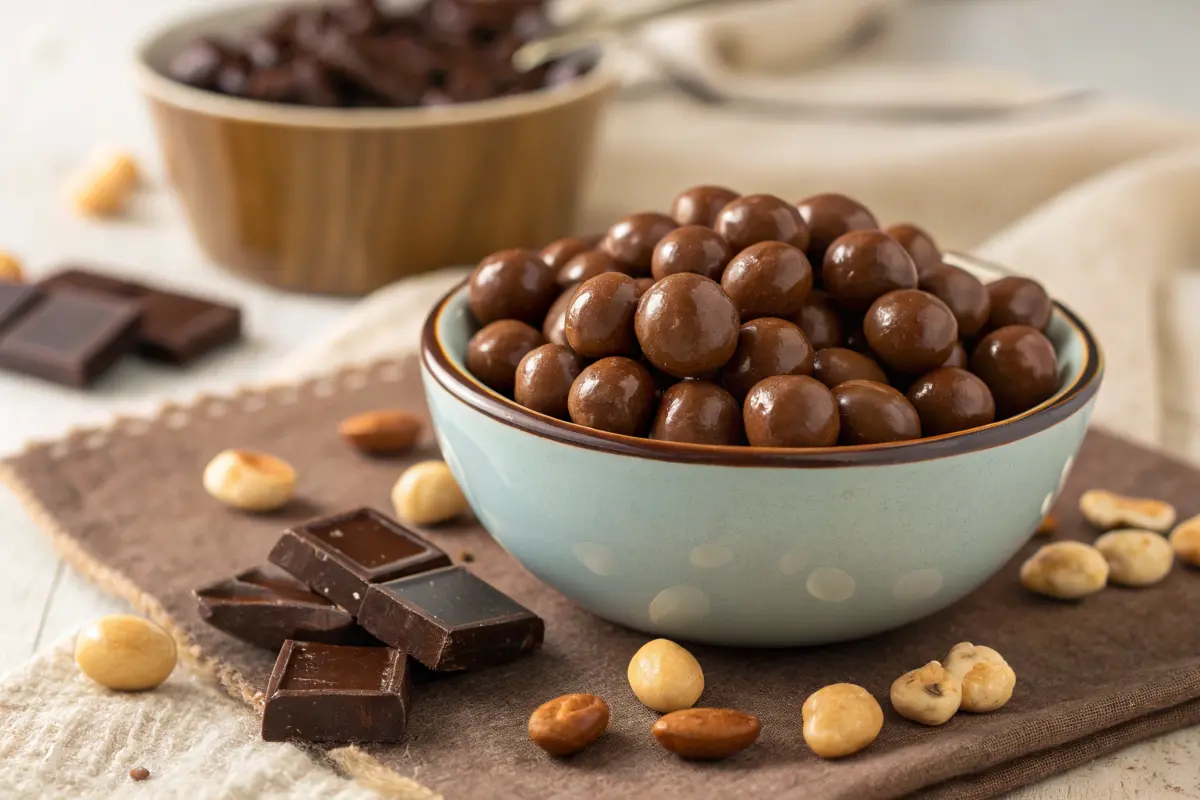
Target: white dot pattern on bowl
710, 556
596, 557
793, 562
1066, 471
1046, 503
679, 604
830, 584
919, 584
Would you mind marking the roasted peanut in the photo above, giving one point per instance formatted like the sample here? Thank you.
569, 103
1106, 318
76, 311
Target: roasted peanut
1065, 570
1136, 558
10, 268
840, 720
706, 734
665, 677
125, 653
427, 494
567, 724
249, 480
987, 686
964, 655
104, 185
381, 432
1107, 510
1185, 540
929, 695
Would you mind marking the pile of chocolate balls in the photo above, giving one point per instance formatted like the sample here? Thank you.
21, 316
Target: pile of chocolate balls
740, 320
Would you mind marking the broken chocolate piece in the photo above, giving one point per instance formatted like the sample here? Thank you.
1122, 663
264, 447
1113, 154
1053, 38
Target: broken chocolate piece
450, 620
267, 607
326, 693
339, 556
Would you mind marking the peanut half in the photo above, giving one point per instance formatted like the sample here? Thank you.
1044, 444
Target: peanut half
382, 432
1136, 558
706, 734
1108, 510
249, 480
1065, 570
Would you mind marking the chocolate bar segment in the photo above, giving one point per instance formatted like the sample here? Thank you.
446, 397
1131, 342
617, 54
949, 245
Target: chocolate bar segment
70, 337
339, 556
176, 328
266, 607
15, 299
450, 620
326, 693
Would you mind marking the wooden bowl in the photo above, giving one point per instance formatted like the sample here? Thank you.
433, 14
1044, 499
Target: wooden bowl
346, 200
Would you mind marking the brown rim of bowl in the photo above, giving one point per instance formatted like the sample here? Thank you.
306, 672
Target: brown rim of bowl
153, 83
467, 389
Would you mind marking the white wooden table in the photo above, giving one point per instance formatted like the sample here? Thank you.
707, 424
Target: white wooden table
64, 87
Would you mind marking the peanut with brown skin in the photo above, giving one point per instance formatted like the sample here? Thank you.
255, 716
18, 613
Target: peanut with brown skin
383, 432
706, 734
929, 695
565, 725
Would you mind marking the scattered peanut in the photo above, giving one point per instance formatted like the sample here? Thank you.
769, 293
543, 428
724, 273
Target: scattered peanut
1185, 540
427, 494
1107, 510
707, 734
988, 685
1136, 558
381, 432
964, 656
139, 773
105, 183
125, 653
840, 720
1047, 526
665, 677
249, 480
929, 695
10, 268
1065, 570
567, 724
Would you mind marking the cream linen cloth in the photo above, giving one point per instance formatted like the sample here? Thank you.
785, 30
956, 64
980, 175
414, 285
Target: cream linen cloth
1096, 201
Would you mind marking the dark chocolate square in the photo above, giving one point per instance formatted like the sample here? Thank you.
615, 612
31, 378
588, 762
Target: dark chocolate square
15, 300
266, 607
326, 693
71, 337
339, 556
176, 328
450, 620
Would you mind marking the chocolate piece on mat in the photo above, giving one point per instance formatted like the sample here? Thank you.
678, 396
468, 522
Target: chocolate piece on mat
266, 607
15, 299
339, 555
176, 328
450, 620
71, 337
326, 693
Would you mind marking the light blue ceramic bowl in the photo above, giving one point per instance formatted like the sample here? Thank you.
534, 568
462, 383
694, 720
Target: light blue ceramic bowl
754, 546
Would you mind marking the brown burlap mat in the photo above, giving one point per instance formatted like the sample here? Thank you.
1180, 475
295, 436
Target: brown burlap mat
126, 506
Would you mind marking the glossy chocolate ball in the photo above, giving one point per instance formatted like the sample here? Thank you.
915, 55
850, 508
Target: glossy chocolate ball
560, 251
760, 218
701, 204
958, 357
768, 279
698, 412
1019, 301
834, 366
911, 331
494, 352
614, 394
829, 217
862, 266
554, 327
766, 346
600, 317
1018, 363
587, 264
643, 285
633, 239
920, 245
687, 325
964, 294
692, 248
544, 378
511, 284
950, 399
790, 411
873, 413
820, 320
